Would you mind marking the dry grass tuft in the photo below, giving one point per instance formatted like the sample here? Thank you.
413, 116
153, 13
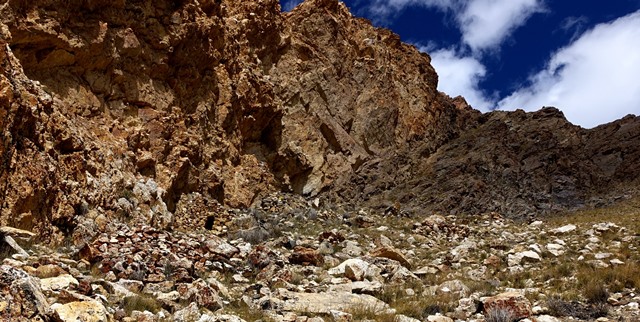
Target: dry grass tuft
499, 315
562, 308
624, 214
418, 306
140, 303
371, 313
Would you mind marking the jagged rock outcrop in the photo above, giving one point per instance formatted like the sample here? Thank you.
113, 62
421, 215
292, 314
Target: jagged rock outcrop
165, 113
139, 105
352, 92
157, 112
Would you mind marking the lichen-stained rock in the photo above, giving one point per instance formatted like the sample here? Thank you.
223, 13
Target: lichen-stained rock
22, 295
58, 283
323, 303
306, 256
515, 302
201, 293
86, 311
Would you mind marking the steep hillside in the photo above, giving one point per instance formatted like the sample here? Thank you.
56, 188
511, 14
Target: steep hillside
167, 113
518, 164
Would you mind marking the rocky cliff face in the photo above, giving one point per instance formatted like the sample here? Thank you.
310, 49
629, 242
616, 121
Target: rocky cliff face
164, 113
514, 163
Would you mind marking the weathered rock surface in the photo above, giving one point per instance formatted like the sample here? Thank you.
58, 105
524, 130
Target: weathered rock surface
513, 302
89, 311
326, 302
141, 273
514, 163
21, 296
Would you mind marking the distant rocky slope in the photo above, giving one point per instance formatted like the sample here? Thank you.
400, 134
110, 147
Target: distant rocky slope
514, 163
164, 112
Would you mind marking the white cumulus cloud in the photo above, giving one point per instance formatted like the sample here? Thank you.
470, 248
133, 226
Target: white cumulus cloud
592, 80
460, 75
484, 24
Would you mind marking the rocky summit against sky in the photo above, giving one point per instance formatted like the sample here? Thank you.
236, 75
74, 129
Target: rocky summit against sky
508, 54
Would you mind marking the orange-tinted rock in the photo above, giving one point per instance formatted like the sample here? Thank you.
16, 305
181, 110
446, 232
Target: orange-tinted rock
514, 302
391, 253
306, 256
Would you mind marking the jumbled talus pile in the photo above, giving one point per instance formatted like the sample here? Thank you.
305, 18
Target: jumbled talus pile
325, 264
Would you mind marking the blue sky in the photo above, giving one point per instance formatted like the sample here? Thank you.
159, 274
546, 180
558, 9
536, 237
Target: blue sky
580, 56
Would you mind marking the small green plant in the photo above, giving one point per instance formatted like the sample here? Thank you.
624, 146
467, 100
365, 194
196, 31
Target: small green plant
126, 193
169, 269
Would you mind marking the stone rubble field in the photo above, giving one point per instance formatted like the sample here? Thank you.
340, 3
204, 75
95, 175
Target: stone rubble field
288, 259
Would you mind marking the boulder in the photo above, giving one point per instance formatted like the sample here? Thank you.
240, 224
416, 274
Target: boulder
391, 253
23, 294
547, 318
220, 318
58, 283
355, 269
526, 256
187, 314
200, 293
219, 246
16, 233
564, 229
514, 302
306, 256
555, 249
438, 318
325, 302
87, 311
454, 287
